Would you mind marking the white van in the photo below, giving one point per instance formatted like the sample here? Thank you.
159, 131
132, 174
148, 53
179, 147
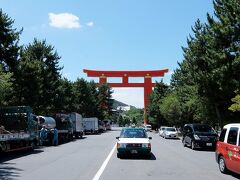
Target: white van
148, 127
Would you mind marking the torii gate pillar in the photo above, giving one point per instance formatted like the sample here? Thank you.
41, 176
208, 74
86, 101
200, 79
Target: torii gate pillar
148, 85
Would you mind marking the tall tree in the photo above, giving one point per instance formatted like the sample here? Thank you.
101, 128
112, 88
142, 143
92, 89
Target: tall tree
136, 115
211, 61
153, 112
9, 39
65, 96
38, 77
5, 86
105, 101
82, 102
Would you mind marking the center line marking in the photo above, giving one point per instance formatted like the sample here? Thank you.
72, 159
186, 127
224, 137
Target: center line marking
100, 171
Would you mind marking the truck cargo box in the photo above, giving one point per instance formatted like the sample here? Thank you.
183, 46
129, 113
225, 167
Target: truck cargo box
91, 125
77, 122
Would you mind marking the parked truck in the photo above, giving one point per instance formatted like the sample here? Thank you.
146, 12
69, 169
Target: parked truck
65, 127
18, 128
77, 124
91, 125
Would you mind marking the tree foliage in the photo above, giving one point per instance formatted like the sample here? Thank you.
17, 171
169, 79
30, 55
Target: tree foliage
105, 100
153, 112
38, 77
31, 75
9, 39
5, 86
208, 76
136, 116
236, 103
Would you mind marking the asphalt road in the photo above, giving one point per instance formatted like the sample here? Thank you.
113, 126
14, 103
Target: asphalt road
86, 158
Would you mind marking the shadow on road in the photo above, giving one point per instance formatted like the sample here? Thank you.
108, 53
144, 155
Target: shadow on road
9, 172
14, 155
172, 139
77, 139
205, 150
235, 175
139, 157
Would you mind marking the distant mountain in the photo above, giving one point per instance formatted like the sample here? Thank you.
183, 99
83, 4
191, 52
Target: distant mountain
118, 103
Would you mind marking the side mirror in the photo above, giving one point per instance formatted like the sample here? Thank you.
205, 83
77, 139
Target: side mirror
149, 137
117, 137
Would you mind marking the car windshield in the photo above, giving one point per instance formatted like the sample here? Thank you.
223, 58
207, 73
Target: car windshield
171, 129
148, 126
203, 128
133, 133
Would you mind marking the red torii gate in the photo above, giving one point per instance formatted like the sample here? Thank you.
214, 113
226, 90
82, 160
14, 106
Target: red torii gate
147, 84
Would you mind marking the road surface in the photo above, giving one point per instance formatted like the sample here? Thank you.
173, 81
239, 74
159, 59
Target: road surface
95, 156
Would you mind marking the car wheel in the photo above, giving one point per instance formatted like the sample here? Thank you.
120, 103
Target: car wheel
222, 165
193, 145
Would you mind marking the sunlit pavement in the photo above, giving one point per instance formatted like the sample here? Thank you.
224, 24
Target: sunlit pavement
82, 159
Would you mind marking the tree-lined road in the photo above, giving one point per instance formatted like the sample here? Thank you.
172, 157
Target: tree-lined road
82, 159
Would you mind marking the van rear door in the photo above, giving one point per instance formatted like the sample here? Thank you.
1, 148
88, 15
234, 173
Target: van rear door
233, 154
236, 155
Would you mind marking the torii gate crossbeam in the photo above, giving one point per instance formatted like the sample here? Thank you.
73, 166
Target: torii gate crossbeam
147, 84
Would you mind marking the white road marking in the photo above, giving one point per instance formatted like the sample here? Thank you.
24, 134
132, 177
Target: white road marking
100, 171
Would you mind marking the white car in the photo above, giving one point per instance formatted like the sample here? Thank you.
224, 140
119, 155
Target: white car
148, 127
161, 130
133, 141
170, 132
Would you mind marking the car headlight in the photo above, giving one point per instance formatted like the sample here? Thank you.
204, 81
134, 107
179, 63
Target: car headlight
146, 145
196, 137
121, 145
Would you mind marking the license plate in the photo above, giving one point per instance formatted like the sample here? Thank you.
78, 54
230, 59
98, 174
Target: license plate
209, 144
134, 151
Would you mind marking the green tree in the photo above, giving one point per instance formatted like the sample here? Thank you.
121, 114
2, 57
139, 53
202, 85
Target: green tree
170, 109
38, 77
9, 39
105, 101
65, 96
153, 113
82, 93
120, 121
211, 65
95, 107
5, 86
136, 115
236, 103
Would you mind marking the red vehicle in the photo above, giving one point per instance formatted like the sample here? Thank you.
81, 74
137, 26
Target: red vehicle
228, 149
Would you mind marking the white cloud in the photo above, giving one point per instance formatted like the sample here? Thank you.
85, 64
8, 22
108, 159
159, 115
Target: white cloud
130, 96
64, 20
90, 24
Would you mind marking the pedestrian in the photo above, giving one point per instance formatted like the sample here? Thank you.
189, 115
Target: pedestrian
43, 135
55, 136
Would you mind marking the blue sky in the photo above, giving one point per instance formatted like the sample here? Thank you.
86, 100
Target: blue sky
110, 34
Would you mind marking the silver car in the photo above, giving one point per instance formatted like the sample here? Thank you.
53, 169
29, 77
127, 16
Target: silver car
170, 132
